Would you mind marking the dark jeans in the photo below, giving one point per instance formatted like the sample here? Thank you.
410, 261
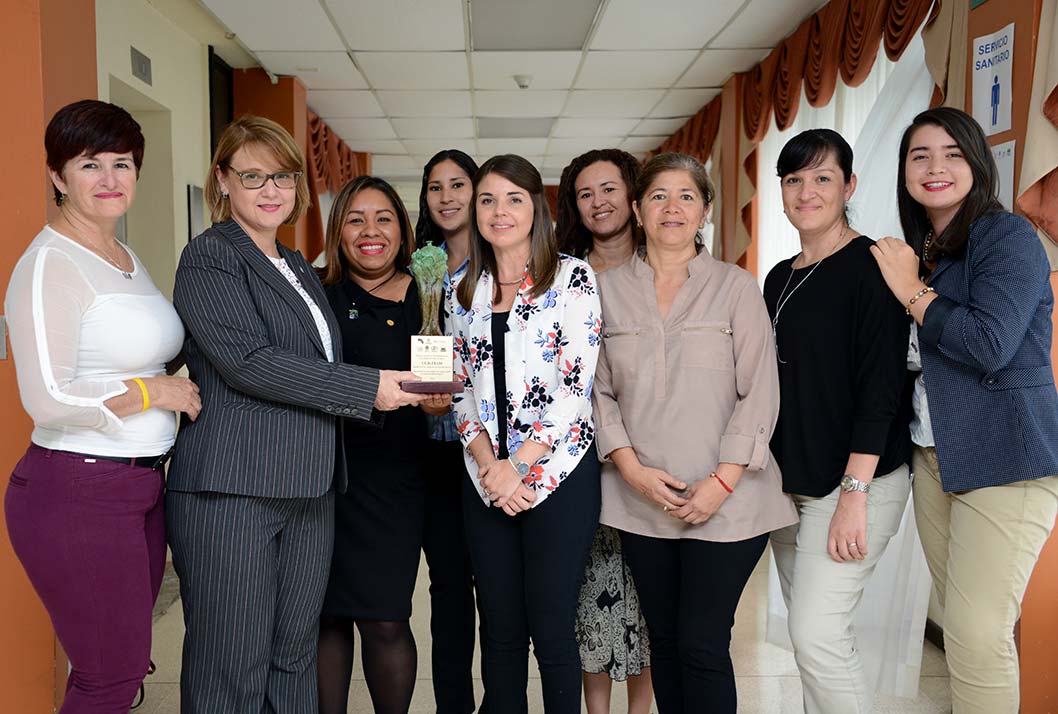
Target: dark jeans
91, 536
451, 581
529, 569
689, 590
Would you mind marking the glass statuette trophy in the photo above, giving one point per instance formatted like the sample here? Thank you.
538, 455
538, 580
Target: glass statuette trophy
431, 351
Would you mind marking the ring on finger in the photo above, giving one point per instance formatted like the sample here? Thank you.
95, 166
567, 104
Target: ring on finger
852, 544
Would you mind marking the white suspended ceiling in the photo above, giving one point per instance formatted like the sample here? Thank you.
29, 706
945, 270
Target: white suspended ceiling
406, 78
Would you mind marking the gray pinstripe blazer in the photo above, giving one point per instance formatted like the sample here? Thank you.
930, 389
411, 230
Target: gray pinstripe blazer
272, 405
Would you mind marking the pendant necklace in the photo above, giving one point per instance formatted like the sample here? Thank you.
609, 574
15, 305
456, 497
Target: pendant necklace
781, 302
354, 313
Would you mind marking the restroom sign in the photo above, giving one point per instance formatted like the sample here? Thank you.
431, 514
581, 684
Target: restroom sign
993, 62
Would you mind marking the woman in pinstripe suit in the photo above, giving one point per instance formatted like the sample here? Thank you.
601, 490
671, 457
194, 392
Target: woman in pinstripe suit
250, 503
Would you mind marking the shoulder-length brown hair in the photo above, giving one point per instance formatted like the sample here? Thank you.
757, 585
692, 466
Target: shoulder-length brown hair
253, 130
573, 237
337, 266
543, 260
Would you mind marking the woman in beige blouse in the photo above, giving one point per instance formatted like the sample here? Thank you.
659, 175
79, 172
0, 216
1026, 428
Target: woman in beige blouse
686, 395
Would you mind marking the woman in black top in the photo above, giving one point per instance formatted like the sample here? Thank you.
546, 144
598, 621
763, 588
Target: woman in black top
379, 520
842, 437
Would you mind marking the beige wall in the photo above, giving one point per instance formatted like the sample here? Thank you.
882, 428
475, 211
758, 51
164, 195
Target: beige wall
173, 112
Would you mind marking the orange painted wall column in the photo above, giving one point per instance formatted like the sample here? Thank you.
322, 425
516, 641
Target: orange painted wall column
285, 103
49, 60
1039, 616
730, 136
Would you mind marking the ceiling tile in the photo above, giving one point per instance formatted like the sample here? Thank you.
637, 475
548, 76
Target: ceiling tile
334, 103
316, 70
400, 24
363, 128
642, 143
579, 146
519, 103
425, 104
536, 25
434, 127
633, 70
656, 127
523, 147
572, 127
514, 127
291, 25
714, 67
375, 146
662, 24
764, 23
681, 102
611, 103
548, 70
423, 158
414, 70
384, 163
559, 161
429, 147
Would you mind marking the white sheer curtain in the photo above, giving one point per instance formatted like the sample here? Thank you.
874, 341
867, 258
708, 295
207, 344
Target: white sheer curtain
891, 617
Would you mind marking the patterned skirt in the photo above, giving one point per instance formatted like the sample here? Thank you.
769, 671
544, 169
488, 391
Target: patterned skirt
611, 631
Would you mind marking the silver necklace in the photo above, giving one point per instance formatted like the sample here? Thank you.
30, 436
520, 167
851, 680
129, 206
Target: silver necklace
781, 303
98, 250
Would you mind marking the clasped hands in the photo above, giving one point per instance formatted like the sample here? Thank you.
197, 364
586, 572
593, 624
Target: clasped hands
692, 505
504, 487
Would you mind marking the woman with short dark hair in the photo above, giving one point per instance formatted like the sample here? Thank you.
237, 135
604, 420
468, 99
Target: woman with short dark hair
841, 439
526, 329
975, 279
91, 336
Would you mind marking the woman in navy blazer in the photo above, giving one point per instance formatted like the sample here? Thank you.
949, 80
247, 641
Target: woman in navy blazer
976, 281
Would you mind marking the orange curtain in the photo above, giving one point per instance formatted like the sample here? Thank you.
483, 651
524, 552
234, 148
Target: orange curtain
331, 164
697, 135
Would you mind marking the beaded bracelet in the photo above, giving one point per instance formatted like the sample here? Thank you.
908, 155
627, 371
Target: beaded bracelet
919, 294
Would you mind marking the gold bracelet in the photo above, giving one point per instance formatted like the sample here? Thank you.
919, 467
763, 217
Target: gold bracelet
919, 294
143, 390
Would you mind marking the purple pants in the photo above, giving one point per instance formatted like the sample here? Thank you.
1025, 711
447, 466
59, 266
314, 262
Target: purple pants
91, 537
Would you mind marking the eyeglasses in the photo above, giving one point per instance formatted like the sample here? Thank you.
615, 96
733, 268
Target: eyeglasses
253, 180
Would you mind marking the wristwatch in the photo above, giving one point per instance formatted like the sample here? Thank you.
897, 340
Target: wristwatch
850, 483
520, 466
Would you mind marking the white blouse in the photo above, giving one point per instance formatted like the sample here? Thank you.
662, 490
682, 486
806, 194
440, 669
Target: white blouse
79, 328
317, 316
550, 352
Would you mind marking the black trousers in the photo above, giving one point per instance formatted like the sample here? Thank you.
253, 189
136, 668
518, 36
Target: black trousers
689, 590
451, 581
529, 569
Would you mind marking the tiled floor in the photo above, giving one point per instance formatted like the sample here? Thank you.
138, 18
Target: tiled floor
767, 676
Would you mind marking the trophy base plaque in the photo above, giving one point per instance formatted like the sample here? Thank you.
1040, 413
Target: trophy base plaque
431, 360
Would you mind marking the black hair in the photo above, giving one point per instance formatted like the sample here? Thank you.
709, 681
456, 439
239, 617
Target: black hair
979, 201
573, 238
426, 231
810, 148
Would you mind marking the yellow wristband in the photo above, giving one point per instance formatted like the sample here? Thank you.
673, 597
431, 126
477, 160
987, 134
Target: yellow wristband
143, 390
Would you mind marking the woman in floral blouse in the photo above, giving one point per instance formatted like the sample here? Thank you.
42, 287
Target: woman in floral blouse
526, 329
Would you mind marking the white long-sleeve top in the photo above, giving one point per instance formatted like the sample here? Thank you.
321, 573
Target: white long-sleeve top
79, 328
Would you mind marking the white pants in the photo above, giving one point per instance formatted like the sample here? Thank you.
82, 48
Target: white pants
822, 594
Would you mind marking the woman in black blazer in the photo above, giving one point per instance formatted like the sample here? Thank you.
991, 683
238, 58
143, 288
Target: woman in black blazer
250, 503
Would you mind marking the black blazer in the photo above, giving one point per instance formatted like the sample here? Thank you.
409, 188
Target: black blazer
272, 405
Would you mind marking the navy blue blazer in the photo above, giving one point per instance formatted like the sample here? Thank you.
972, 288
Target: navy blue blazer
986, 358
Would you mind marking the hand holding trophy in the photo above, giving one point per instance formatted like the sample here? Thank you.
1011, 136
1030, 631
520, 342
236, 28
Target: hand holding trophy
431, 352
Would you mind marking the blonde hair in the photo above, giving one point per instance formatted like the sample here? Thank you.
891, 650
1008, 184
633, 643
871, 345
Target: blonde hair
254, 130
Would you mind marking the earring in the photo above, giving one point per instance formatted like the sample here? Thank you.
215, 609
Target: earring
62, 198
223, 194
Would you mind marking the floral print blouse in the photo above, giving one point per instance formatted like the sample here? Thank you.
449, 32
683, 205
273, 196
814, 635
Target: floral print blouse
551, 349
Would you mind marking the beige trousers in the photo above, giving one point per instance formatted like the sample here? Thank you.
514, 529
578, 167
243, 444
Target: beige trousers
822, 594
981, 547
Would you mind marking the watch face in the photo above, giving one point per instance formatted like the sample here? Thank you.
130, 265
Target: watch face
523, 469
846, 483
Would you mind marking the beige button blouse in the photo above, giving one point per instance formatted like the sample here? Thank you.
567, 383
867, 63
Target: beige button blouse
689, 392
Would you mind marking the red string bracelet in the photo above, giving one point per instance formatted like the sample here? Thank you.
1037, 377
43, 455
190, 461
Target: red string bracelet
717, 477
